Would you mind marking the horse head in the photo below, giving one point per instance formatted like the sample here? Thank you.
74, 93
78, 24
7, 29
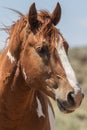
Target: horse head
44, 58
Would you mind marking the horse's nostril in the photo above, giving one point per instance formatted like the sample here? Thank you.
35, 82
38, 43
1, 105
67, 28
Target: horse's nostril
55, 85
70, 98
82, 95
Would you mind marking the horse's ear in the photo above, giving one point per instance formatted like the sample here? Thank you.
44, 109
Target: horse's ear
32, 16
56, 14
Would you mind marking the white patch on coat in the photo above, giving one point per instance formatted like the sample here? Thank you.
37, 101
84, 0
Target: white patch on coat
67, 66
25, 75
12, 59
51, 117
39, 108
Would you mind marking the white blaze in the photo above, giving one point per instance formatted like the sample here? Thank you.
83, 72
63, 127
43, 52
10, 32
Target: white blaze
51, 117
25, 76
67, 66
12, 59
39, 108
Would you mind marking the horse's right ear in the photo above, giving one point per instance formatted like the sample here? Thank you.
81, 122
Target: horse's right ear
32, 16
56, 14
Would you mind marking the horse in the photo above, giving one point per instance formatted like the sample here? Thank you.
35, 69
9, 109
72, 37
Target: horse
34, 67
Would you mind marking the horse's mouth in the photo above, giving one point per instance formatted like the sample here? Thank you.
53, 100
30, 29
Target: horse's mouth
63, 108
51, 92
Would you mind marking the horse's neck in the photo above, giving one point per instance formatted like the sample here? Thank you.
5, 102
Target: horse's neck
13, 88
20, 101
15, 95
11, 81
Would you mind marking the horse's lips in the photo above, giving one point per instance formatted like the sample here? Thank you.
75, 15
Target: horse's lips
63, 108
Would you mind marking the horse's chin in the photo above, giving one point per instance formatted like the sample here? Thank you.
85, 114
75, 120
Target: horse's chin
64, 109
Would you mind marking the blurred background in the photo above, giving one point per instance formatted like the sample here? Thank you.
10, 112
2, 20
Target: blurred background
73, 26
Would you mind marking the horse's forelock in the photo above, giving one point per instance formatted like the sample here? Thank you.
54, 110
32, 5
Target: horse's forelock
44, 14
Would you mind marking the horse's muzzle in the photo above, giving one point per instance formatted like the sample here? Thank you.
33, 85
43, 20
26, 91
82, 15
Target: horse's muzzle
73, 101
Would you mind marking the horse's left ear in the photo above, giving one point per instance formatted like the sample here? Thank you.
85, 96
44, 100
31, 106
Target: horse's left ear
32, 16
56, 14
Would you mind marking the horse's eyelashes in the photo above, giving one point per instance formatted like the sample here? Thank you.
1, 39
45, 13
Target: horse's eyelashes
42, 51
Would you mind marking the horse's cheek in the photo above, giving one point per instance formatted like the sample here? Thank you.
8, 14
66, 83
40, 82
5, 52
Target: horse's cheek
33, 65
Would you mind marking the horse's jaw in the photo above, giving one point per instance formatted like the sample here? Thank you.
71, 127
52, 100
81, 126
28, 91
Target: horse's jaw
56, 94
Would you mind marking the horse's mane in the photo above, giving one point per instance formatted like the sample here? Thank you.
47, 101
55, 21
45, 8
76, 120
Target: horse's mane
47, 30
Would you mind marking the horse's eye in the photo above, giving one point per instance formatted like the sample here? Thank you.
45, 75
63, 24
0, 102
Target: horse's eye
40, 24
43, 51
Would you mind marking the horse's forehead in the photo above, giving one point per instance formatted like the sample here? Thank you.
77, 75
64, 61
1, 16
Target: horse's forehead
56, 40
38, 39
